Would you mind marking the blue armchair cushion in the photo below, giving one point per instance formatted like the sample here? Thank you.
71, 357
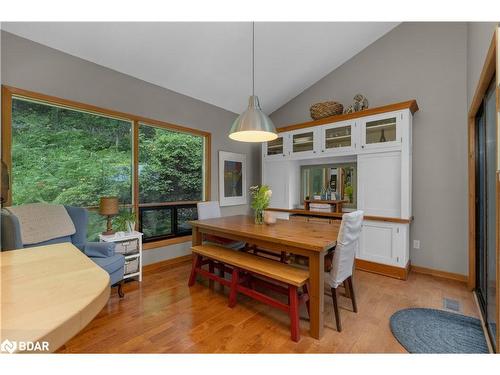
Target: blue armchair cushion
99, 249
110, 264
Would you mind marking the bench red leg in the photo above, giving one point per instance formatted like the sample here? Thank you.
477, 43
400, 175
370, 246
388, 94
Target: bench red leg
222, 274
211, 270
294, 312
196, 264
234, 284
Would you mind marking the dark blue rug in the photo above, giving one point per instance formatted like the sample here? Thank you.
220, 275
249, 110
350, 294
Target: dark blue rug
437, 331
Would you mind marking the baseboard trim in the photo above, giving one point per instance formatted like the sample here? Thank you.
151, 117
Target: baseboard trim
169, 263
440, 274
383, 269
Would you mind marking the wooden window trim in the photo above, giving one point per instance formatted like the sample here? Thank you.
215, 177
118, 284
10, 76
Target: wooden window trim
485, 78
8, 92
166, 242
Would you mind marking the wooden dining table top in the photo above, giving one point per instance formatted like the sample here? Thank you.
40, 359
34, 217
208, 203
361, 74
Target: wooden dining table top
310, 236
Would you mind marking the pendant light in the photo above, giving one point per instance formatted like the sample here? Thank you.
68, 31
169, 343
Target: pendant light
253, 125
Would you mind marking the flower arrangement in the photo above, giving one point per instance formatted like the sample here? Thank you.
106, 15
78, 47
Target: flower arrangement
261, 196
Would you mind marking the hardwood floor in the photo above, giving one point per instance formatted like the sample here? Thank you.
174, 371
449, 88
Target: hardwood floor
163, 315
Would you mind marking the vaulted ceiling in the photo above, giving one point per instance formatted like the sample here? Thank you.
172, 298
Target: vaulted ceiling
211, 61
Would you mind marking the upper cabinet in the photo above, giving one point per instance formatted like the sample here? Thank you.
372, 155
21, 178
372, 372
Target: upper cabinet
373, 130
277, 149
304, 143
339, 138
381, 132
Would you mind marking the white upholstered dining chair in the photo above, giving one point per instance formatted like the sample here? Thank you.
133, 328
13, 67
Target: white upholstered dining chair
208, 210
343, 260
211, 210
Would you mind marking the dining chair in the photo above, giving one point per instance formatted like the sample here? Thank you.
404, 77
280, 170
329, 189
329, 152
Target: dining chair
211, 210
208, 210
343, 260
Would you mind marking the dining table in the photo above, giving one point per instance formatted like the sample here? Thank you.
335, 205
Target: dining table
311, 240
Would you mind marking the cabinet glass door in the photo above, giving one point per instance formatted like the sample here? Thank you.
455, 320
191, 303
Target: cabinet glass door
275, 147
302, 142
338, 137
380, 131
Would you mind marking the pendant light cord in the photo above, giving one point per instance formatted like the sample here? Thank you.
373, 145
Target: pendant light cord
253, 58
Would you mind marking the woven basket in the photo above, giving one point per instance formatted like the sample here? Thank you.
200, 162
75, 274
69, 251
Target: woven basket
326, 109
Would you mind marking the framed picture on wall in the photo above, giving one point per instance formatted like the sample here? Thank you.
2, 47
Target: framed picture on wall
232, 178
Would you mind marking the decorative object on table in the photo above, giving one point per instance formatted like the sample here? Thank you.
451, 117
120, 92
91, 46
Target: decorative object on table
325, 109
360, 103
422, 330
128, 244
125, 221
269, 217
253, 125
232, 178
108, 206
261, 196
320, 207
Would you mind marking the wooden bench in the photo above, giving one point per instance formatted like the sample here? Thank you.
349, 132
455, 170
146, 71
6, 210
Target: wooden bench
243, 267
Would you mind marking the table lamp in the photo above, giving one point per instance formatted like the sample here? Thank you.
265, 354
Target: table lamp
108, 206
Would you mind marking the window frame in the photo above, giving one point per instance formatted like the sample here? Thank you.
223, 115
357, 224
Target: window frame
9, 93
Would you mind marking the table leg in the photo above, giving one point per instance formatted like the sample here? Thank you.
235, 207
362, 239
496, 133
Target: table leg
196, 238
316, 295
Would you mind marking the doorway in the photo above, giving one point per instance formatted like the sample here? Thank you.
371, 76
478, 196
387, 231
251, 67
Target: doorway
486, 201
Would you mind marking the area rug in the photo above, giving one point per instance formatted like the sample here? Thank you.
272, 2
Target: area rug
437, 331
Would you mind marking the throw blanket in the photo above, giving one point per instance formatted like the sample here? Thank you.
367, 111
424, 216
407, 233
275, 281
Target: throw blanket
41, 222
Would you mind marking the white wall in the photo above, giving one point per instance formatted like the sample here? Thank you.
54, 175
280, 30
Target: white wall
426, 62
479, 35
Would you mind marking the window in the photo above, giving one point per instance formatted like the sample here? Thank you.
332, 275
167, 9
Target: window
62, 152
170, 165
317, 180
69, 157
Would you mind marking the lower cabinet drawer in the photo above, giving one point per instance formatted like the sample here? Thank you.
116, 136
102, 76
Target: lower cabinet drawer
127, 247
131, 266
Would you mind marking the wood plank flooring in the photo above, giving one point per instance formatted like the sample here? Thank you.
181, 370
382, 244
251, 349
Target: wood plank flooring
163, 315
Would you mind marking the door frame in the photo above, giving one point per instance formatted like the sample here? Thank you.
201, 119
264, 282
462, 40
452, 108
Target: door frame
490, 69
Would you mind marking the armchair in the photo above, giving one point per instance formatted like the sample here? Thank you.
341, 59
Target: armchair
101, 253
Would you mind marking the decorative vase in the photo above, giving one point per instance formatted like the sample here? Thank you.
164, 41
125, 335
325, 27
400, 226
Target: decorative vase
259, 216
269, 218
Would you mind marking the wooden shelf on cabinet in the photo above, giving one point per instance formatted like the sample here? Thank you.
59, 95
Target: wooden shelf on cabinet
338, 216
410, 104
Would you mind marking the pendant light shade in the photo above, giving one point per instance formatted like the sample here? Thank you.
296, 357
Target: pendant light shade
253, 125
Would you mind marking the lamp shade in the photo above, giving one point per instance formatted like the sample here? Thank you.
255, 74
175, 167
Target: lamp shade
253, 125
108, 206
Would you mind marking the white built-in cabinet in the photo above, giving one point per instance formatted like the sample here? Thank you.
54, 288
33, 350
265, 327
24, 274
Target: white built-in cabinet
339, 138
385, 243
382, 146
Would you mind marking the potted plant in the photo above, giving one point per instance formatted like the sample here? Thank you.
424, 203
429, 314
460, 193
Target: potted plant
125, 221
261, 196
